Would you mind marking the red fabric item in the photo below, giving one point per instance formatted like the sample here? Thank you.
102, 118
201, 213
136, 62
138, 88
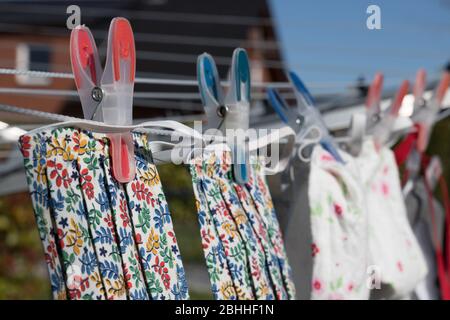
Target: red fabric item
404, 148
402, 152
446, 202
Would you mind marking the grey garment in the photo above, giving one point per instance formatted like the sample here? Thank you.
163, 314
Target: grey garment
292, 206
418, 208
280, 198
417, 204
428, 289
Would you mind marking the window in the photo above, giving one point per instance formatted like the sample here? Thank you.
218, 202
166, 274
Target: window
33, 57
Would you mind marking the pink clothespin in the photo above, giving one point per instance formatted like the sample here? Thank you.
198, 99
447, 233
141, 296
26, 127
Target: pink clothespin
374, 96
425, 116
383, 129
108, 95
419, 88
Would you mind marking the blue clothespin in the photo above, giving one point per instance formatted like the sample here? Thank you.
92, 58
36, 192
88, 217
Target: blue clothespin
210, 92
306, 115
231, 111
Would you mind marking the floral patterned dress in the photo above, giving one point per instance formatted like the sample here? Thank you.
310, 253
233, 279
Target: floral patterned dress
339, 228
102, 239
251, 253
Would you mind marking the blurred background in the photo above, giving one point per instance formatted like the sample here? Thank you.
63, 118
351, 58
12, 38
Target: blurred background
326, 42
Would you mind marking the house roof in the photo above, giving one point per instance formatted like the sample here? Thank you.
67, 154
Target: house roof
169, 36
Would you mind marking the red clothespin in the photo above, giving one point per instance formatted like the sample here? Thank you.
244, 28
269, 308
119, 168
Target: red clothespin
108, 95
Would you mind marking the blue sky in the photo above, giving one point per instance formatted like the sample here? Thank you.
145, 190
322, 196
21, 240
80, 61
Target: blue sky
329, 45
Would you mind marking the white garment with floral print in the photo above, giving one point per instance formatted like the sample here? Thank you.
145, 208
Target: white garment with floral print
339, 228
393, 247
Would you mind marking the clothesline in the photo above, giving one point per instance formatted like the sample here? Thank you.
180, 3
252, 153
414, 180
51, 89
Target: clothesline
62, 118
63, 75
137, 95
142, 95
158, 78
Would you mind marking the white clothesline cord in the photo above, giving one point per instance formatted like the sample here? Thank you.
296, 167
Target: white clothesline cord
36, 113
162, 81
63, 118
39, 92
37, 74
161, 132
136, 95
74, 93
63, 75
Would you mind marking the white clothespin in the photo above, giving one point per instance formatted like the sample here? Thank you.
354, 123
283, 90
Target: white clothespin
108, 95
232, 111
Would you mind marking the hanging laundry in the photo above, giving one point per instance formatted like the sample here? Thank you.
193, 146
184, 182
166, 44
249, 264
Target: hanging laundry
417, 207
442, 252
239, 230
339, 228
431, 222
431, 226
260, 194
102, 239
294, 217
392, 245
